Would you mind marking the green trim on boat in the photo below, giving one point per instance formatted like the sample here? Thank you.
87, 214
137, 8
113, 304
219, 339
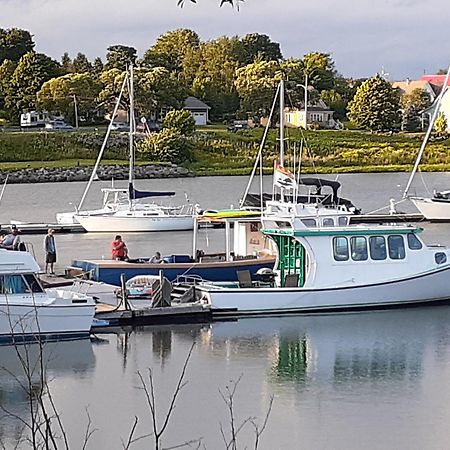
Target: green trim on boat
341, 232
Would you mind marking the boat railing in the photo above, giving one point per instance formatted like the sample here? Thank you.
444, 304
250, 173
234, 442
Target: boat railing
190, 279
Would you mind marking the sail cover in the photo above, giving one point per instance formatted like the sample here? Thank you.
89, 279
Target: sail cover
135, 194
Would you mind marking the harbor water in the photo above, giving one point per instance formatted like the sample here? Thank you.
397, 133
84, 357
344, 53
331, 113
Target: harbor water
371, 380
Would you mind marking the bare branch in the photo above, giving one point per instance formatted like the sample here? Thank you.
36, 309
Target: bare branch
130, 436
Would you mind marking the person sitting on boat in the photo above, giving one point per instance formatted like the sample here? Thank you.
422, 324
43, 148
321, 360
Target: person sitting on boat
12, 240
119, 250
156, 258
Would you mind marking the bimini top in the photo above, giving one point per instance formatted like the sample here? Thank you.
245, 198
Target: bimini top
135, 194
17, 262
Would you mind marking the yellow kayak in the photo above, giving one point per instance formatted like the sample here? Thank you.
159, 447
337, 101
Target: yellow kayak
229, 213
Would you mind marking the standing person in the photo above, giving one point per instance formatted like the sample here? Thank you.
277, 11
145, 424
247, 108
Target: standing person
119, 250
12, 240
50, 250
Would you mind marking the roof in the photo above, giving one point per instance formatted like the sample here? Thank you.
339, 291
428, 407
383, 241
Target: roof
408, 86
195, 103
435, 79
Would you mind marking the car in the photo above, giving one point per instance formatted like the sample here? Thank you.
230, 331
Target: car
58, 125
120, 126
238, 127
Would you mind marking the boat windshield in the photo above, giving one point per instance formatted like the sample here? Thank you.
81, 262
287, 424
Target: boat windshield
19, 284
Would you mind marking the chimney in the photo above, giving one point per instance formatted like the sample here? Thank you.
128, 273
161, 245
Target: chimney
408, 81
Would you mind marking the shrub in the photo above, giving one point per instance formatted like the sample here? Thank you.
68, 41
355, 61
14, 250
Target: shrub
181, 121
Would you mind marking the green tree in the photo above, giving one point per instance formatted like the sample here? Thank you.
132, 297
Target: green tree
260, 46
32, 71
14, 43
81, 63
58, 94
170, 49
440, 125
412, 106
120, 56
375, 106
97, 65
180, 120
335, 101
66, 63
7, 69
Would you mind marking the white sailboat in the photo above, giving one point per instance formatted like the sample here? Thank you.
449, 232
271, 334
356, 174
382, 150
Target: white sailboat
326, 264
437, 207
27, 311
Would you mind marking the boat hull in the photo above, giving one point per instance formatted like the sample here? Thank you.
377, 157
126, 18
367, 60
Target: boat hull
425, 288
57, 318
432, 210
110, 271
98, 224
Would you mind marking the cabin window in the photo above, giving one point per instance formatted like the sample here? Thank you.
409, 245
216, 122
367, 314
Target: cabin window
340, 249
328, 222
440, 258
358, 247
309, 222
13, 284
343, 221
377, 246
414, 242
396, 247
33, 283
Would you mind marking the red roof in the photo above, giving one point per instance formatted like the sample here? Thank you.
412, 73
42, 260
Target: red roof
435, 79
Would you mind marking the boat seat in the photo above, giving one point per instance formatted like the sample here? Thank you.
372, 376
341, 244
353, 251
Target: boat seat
291, 280
244, 278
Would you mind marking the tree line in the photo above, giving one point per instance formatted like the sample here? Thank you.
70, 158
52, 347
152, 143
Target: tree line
235, 76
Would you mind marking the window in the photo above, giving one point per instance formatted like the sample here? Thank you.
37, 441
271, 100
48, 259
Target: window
13, 284
413, 242
33, 283
377, 246
343, 221
309, 222
396, 247
358, 247
328, 222
340, 249
440, 258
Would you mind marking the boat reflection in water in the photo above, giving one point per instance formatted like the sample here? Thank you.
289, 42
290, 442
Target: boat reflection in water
61, 361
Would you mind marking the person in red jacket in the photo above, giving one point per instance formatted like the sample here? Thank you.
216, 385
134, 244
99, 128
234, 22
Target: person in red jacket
119, 251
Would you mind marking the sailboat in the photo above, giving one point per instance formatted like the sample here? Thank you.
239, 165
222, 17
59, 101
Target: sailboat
122, 210
325, 263
437, 207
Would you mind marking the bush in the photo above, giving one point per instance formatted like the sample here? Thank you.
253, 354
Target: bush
181, 121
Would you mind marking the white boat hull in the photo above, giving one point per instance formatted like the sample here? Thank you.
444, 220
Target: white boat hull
432, 210
56, 315
137, 224
424, 288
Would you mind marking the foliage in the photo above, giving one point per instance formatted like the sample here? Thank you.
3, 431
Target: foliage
334, 100
15, 43
259, 46
412, 106
6, 72
181, 121
375, 106
167, 145
440, 125
81, 63
120, 56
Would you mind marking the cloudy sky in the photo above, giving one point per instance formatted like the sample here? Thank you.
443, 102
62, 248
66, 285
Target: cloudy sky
405, 37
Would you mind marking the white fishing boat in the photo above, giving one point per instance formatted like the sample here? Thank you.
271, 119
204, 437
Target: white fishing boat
28, 311
437, 206
326, 264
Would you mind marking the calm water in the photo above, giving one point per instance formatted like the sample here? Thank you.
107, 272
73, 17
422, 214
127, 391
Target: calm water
345, 381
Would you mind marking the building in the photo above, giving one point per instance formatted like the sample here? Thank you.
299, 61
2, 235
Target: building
198, 110
317, 114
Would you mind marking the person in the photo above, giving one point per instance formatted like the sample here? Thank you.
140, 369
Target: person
156, 258
50, 251
12, 240
119, 250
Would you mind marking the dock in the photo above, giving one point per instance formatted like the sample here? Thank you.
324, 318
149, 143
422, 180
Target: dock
42, 228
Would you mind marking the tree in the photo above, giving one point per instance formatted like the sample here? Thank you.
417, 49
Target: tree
170, 49
181, 121
97, 66
260, 46
375, 106
7, 69
440, 125
14, 43
66, 63
32, 71
58, 94
120, 56
412, 106
81, 63
334, 101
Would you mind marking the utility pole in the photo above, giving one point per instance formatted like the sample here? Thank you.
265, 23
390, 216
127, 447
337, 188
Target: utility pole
76, 110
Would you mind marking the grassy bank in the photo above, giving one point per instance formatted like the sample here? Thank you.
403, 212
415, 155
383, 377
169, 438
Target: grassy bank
218, 152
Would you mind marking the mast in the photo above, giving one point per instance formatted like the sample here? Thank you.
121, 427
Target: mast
282, 123
131, 135
428, 133
103, 147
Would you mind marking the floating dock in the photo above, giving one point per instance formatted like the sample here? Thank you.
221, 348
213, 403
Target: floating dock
42, 228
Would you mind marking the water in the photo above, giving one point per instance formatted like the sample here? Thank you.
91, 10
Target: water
371, 380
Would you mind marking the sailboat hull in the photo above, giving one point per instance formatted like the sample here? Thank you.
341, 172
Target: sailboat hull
431, 209
100, 224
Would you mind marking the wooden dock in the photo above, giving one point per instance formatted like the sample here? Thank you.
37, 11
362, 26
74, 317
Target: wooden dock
42, 228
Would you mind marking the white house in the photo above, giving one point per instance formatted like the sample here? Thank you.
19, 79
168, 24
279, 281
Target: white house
198, 110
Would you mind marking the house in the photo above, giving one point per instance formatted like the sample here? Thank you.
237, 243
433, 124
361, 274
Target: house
317, 113
408, 86
444, 108
198, 110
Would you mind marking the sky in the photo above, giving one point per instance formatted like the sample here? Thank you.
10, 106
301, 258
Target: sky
402, 38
